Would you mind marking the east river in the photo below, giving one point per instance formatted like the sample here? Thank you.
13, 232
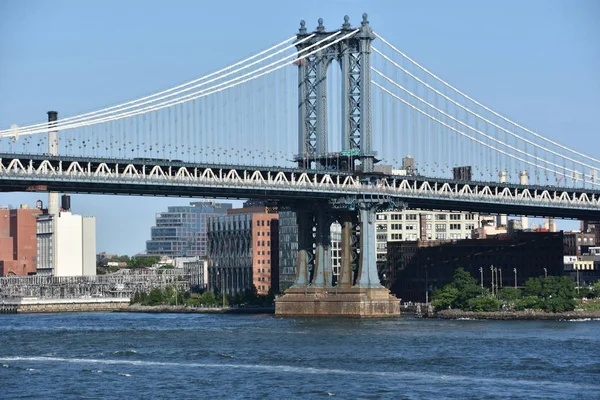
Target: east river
204, 356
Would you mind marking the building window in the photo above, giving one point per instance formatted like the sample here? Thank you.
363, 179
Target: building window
396, 227
381, 217
396, 217
454, 227
440, 228
469, 217
411, 217
441, 217
455, 217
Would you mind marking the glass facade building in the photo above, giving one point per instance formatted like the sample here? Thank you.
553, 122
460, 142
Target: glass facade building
181, 231
288, 249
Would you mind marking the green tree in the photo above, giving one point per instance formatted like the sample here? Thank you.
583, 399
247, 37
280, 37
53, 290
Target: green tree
170, 292
467, 288
458, 293
208, 299
155, 297
142, 262
596, 289
463, 280
444, 298
510, 294
483, 303
533, 287
528, 303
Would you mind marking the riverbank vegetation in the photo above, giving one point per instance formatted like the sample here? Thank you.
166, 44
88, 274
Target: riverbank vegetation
550, 294
170, 296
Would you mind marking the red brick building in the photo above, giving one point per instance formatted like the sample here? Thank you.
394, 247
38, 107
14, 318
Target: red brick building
265, 251
18, 243
243, 250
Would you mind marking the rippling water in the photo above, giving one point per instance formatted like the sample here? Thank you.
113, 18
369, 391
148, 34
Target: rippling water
205, 356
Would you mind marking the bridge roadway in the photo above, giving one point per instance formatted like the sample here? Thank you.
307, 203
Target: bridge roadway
157, 177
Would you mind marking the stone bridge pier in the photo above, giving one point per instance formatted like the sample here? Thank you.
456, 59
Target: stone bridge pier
358, 292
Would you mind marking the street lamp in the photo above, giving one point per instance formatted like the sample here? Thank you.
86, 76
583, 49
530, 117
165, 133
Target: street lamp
545, 273
481, 272
496, 279
492, 269
515, 271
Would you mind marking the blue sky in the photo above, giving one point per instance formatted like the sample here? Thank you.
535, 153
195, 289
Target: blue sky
536, 62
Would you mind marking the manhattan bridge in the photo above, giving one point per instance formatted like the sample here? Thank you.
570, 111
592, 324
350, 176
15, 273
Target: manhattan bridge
319, 124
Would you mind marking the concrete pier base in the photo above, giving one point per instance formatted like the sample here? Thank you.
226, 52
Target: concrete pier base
340, 302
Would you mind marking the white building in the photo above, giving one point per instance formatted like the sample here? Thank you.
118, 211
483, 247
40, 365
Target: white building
336, 249
66, 245
410, 225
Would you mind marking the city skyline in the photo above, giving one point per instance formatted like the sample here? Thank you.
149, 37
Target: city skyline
546, 48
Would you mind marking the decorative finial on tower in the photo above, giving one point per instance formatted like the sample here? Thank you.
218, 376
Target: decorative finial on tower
365, 21
320, 28
346, 24
302, 29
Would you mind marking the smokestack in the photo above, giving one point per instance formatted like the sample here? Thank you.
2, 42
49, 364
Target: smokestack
52, 151
502, 219
66, 202
524, 180
551, 224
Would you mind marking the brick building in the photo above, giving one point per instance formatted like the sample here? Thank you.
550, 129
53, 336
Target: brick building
18, 245
578, 243
420, 267
243, 250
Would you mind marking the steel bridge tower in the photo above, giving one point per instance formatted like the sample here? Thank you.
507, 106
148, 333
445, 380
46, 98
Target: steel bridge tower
353, 56
358, 291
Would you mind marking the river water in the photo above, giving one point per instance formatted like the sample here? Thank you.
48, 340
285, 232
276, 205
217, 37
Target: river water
206, 356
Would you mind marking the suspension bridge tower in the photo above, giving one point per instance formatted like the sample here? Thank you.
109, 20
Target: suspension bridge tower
358, 293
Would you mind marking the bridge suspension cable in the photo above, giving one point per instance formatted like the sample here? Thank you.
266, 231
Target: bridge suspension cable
475, 114
537, 135
116, 108
471, 137
524, 153
208, 91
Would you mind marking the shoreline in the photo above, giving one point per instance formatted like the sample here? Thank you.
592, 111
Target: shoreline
137, 308
517, 315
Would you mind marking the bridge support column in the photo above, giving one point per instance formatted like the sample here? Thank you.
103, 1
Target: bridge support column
322, 274
304, 220
347, 249
367, 267
368, 298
